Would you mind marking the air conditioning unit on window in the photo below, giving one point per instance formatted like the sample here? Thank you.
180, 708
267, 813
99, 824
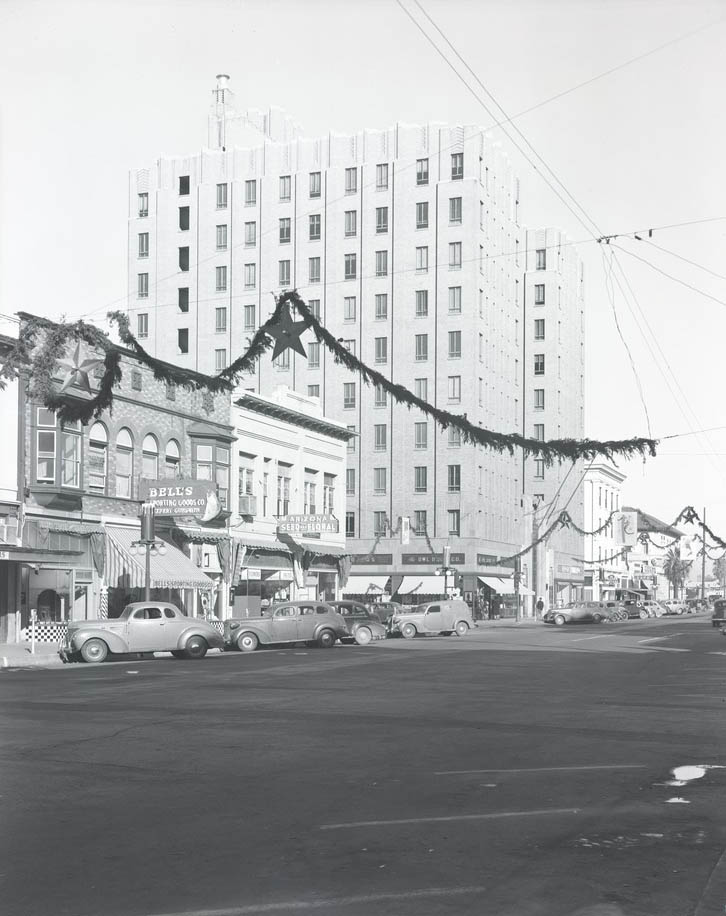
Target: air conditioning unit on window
247, 505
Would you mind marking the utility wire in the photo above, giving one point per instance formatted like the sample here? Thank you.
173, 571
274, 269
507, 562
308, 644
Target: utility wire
657, 269
680, 257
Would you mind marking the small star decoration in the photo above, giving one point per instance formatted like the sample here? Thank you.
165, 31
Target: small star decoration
287, 333
77, 370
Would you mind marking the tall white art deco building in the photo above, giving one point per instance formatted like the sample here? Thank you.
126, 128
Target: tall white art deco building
407, 244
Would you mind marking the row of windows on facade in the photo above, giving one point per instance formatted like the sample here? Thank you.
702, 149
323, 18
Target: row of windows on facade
60, 460
315, 185
421, 476
246, 486
419, 523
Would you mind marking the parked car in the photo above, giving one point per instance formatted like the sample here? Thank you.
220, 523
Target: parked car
636, 609
655, 608
616, 610
578, 612
674, 607
432, 618
314, 622
362, 625
718, 618
144, 626
386, 609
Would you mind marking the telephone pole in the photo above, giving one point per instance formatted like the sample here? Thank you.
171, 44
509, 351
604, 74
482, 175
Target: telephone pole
703, 558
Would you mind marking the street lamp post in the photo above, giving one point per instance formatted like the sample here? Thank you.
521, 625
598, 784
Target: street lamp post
148, 544
445, 569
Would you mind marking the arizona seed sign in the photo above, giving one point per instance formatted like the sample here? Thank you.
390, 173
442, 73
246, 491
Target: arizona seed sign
196, 498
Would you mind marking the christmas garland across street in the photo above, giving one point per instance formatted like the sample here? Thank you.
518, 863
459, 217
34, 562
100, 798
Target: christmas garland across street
42, 351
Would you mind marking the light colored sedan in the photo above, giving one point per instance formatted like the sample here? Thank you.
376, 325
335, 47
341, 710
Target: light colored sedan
144, 626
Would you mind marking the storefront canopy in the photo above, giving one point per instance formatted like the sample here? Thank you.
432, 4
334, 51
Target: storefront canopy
363, 584
492, 582
173, 570
504, 586
422, 585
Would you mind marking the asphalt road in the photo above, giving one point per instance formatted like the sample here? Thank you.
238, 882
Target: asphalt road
511, 772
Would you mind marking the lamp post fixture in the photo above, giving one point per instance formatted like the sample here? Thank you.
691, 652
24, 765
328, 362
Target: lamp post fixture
445, 569
148, 544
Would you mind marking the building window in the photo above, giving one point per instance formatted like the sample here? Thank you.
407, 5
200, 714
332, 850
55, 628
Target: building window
454, 437
349, 308
379, 480
328, 493
420, 479
380, 396
250, 193
541, 255
183, 185
315, 184
314, 355
250, 235
419, 523
283, 490
220, 279
143, 200
539, 400
313, 270
454, 255
142, 324
455, 211
182, 340
381, 349
422, 215
250, 276
457, 166
381, 263
210, 461
381, 220
183, 298
221, 196
351, 440
350, 482
351, 181
382, 177
539, 432
379, 524
539, 329
421, 388
284, 231
381, 310
454, 478
97, 458
380, 437
150, 458
314, 227
348, 394
349, 345
455, 300
124, 463
283, 271
454, 389
421, 435
539, 466
454, 522
422, 303
351, 223
249, 322
422, 347
350, 524
351, 266
220, 360
282, 362
143, 286
539, 294
422, 259
172, 459
313, 391
143, 244
454, 344
184, 258
422, 171
310, 503
539, 363
314, 308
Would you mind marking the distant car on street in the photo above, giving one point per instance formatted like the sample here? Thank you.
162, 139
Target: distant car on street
433, 618
655, 608
314, 622
578, 612
674, 607
362, 625
144, 626
718, 617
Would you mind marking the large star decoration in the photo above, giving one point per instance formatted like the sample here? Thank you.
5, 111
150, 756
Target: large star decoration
77, 370
287, 334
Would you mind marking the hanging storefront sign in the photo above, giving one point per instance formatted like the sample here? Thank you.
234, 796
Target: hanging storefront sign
431, 559
308, 524
625, 528
172, 497
372, 559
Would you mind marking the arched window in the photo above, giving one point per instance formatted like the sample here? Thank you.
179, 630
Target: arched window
124, 463
172, 459
97, 458
150, 458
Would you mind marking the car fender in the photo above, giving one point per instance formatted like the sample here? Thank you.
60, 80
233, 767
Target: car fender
261, 633
215, 640
113, 640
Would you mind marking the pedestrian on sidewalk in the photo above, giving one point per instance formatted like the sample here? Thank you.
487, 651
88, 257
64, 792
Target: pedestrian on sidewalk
539, 606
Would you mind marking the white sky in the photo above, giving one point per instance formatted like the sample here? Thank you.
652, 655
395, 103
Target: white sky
92, 89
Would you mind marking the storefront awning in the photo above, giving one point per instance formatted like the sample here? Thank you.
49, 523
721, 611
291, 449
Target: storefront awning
125, 570
255, 542
492, 582
422, 585
363, 585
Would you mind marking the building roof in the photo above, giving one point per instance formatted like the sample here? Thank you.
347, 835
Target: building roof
652, 524
270, 408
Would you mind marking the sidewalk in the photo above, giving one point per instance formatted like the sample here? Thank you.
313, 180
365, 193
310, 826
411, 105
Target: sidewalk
18, 655
507, 622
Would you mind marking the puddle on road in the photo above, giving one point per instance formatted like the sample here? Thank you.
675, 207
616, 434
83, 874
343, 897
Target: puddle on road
677, 801
682, 776
621, 841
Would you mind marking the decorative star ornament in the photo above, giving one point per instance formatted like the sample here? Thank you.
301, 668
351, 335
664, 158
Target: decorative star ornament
287, 334
77, 370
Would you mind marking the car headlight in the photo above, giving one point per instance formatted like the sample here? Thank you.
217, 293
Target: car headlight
235, 625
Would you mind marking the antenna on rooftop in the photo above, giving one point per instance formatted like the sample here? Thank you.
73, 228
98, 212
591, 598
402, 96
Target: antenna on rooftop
222, 99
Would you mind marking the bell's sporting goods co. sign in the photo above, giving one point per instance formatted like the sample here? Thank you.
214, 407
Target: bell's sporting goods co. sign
196, 498
307, 524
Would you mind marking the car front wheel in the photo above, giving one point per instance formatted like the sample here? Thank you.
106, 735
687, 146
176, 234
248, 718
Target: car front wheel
363, 636
326, 640
597, 618
196, 647
461, 628
559, 620
247, 642
94, 650
408, 631
643, 615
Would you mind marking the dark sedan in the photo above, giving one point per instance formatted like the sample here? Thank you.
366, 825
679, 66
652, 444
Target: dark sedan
578, 612
362, 625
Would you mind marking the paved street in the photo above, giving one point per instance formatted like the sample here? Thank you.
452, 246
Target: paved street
515, 771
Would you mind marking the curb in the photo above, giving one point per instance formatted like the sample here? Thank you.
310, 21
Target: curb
30, 661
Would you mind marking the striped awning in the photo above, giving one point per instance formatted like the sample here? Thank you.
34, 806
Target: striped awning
421, 585
125, 570
363, 584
